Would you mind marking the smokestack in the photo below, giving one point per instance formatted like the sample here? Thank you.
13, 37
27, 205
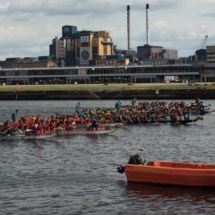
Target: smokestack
128, 25
147, 24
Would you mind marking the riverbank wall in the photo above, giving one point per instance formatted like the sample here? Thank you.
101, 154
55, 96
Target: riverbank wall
108, 94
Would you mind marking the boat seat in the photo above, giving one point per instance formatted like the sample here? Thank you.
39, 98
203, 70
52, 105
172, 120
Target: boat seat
150, 163
153, 163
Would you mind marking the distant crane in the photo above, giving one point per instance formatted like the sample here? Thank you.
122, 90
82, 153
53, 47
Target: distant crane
203, 46
204, 42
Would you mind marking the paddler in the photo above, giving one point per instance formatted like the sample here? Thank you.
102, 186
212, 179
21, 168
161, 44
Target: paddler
134, 100
186, 114
14, 115
78, 107
94, 123
81, 116
118, 104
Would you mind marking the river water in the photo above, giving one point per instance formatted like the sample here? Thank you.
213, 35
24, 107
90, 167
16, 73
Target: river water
77, 174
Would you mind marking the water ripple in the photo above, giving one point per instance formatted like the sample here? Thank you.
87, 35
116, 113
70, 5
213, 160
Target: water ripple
77, 175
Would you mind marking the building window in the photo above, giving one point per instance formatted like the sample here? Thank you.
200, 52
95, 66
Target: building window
105, 49
84, 44
95, 50
78, 53
2, 73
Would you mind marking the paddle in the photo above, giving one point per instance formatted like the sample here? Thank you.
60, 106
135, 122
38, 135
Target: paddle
198, 118
5, 131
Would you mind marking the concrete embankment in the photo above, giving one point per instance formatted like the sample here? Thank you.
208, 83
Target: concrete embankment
108, 92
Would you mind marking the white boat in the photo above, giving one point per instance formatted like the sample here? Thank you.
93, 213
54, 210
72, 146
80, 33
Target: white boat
27, 136
109, 125
106, 125
23, 137
85, 132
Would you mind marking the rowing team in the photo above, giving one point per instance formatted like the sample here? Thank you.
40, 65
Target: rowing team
41, 126
196, 106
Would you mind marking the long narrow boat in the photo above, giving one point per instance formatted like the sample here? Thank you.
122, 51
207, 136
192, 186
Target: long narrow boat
24, 137
28, 135
169, 173
85, 132
186, 121
107, 126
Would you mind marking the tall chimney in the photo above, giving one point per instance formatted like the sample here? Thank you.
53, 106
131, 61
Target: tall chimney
147, 24
128, 25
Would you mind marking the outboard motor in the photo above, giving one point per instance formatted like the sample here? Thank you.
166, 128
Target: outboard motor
135, 159
121, 169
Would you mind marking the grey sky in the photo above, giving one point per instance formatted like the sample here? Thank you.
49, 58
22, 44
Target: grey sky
27, 27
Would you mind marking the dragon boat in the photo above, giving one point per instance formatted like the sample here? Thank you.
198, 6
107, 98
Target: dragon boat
84, 131
28, 135
152, 119
181, 121
168, 172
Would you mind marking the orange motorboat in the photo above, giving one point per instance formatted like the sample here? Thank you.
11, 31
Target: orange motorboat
167, 172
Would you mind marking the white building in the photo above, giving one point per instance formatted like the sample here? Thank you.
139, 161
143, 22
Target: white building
170, 54
60, 46
210, 50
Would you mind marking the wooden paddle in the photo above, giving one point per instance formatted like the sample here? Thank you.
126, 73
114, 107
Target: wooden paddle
5, 131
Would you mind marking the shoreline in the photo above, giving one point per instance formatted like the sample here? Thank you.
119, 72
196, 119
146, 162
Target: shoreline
111, 91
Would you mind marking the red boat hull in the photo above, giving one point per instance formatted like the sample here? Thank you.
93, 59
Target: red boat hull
172, 173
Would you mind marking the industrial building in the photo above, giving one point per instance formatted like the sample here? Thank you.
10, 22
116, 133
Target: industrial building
106, 74
81, 48
88, 57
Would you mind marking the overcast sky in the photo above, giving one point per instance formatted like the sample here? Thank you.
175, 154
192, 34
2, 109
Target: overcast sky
27, 27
